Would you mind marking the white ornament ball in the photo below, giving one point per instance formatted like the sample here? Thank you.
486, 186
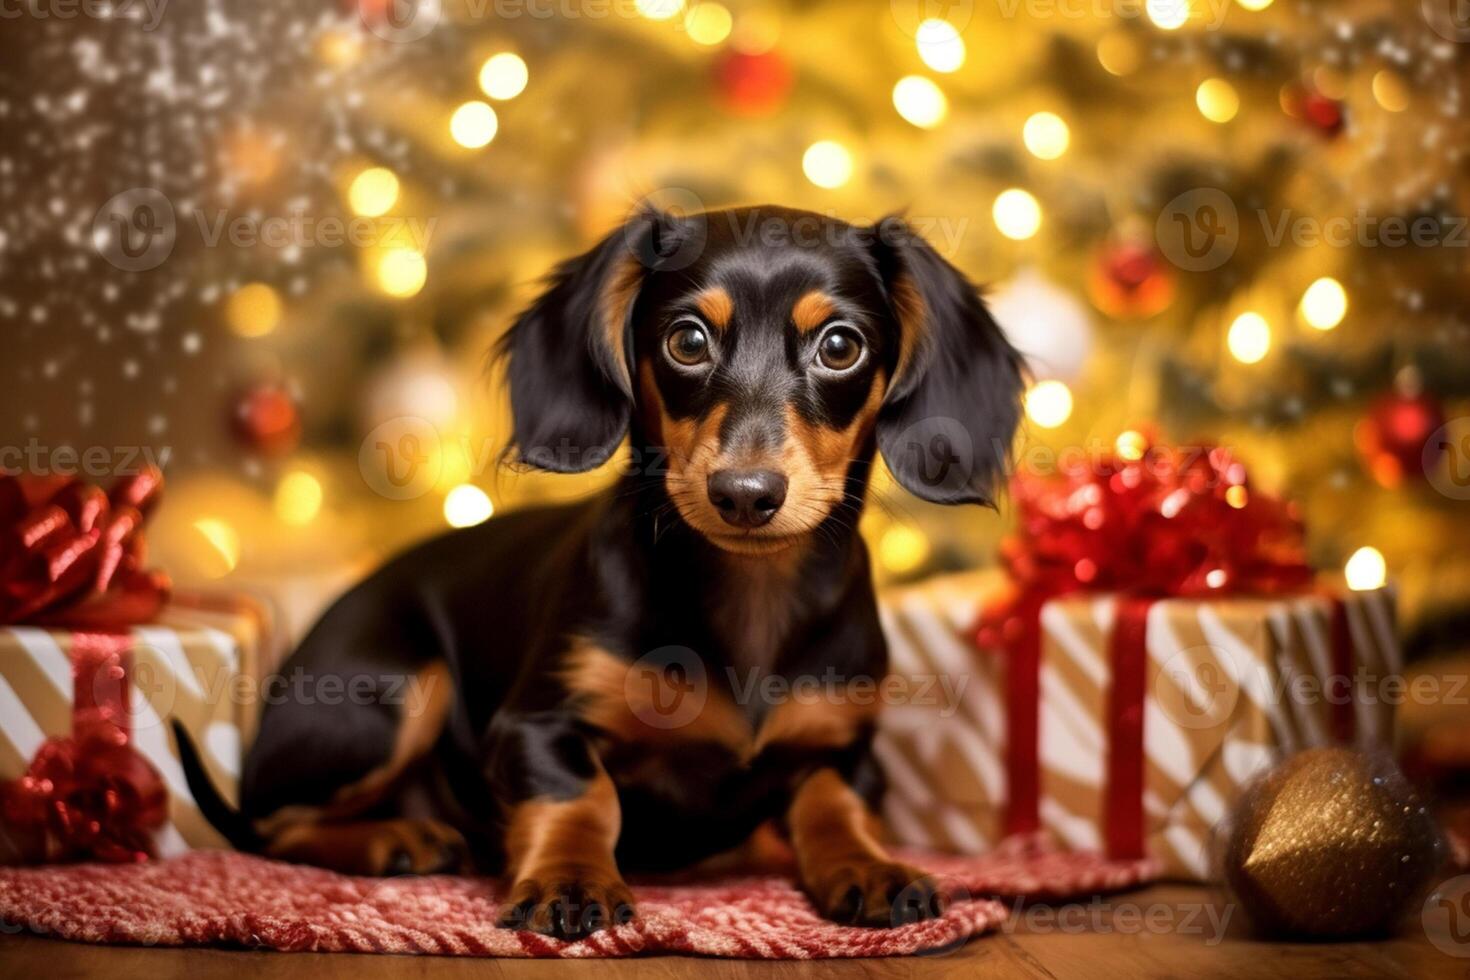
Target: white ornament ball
1048, 325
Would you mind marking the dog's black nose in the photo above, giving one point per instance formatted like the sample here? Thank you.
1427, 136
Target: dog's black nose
747, 498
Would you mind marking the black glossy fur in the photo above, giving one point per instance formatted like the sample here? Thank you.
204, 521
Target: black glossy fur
629, 571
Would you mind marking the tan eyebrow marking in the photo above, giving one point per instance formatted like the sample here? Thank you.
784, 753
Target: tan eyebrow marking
717, 306
812, 310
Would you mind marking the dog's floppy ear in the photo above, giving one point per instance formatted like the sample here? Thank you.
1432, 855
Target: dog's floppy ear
947, 420
569, 353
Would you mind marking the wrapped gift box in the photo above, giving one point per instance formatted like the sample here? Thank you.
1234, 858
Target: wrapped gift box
1227, 686
198, 663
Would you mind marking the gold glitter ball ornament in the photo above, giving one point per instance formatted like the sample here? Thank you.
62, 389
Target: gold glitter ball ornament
1330, 844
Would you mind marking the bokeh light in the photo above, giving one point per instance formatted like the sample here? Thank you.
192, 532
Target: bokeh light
659, 9
708, 23
504, 76
903, 549
1046, 135
827, 163
1366, 570
1217, 100
1324, 304
920, 101
473, 125
467, 505
373, 192
1170, 15
940, 45
1017, 214
253, 310
402, 272
1049, 403
298, 498
1249, 338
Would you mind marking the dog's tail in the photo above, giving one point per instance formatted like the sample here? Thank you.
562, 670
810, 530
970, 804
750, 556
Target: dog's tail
233, 825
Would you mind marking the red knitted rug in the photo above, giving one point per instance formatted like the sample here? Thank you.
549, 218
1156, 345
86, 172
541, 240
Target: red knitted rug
218, 897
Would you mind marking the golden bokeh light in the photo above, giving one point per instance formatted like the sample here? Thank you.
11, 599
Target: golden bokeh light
659, 9
1049, 403
298, 498
253, 310
1169, 15
1254, 4
920, 101
903, 549
1366, 570
1017, 214
473, 125
402, 272
467, 505
1046, 135
940, 45
827, 163
1130, 445
224, 544
708, 23
1390, 91
504, 76
1217, 100
1249, 338
1324, 304
1117, 52
373, 192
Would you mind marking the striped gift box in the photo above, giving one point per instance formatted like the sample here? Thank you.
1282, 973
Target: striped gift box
198, 664
1230, 686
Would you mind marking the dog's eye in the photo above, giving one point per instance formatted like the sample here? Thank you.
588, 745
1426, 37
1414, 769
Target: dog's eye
839, 349
689, 345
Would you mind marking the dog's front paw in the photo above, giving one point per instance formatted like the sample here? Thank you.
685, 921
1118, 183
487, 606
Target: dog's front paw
875, 893
567, 905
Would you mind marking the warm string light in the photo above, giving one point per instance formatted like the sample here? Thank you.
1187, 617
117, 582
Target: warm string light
467, 505
504, 76
373, 192
708, 23
1169, 15
253, 310
473, 125
659, 9
1130, 445
920, 101
1049, 403
1366, 570
1324, 304
298, 498
940, 45
1017, 214
1217, 100
1249, 338
1046, 135
827, 163
402, 272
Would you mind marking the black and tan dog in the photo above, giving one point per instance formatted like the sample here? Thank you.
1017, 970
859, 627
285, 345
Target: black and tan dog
578, 671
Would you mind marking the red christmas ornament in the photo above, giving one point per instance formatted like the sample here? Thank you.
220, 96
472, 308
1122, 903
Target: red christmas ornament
1130, 279
1313, 108
266, 419
753, 84
1391, 439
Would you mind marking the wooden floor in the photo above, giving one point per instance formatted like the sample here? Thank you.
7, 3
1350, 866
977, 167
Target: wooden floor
1166, 931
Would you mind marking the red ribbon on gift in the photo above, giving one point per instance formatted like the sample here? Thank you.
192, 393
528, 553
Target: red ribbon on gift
72, 557
1171, 523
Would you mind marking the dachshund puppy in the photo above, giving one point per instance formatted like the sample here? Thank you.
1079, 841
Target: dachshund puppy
640, 681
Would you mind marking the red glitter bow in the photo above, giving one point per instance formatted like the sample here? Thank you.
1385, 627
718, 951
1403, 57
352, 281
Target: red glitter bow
1170, 523
71, 556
